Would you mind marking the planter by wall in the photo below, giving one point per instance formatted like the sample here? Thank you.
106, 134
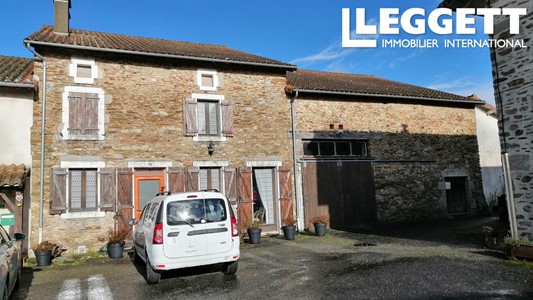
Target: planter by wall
320, 229
522, 251
115, 250
254, 235
43, 258
289, 232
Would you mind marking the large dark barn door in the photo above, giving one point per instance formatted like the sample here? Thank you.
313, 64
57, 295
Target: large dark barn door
344, 190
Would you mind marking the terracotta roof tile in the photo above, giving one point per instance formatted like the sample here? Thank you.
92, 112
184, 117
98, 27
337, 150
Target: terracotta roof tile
101, 41
16, 70
326, 82
12, 175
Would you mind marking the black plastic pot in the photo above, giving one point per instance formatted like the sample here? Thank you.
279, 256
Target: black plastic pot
43, 258
289, 232
254, 235
320, 229
115, 251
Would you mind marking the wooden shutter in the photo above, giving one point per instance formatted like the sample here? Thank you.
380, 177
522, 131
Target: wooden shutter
176, 179
75, 103
90, 114
83, 113
227, 118
190, 123
230, 184
191, 180
245, 198
107, 189
285, 197
58, 191
124, 197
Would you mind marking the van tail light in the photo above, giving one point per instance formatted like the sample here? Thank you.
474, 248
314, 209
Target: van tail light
234, 229
158, 234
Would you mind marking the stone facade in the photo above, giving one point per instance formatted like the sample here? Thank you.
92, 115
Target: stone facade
513, 85
144, 124
412, 146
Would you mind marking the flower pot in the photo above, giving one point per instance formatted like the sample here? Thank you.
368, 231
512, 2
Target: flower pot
289, 232
115, 250
320, 229
522, 251
43, 258
254, 235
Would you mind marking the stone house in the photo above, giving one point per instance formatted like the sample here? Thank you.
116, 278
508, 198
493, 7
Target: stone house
374, 150
513, 85
128, 117
16, 119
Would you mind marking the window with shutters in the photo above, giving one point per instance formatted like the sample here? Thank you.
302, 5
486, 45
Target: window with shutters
83, 113
83, 70
207, 80
207, 117
83, 189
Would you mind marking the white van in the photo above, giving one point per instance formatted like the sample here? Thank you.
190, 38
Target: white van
181, 230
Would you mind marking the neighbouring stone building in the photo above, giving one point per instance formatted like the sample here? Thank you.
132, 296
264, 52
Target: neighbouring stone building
16, 119
374, 150
512, 70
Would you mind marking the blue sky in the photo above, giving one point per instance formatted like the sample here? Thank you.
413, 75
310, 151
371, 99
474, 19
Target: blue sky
303, 32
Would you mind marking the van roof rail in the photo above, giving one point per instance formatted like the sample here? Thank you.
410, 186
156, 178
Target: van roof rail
210, 190
163, 193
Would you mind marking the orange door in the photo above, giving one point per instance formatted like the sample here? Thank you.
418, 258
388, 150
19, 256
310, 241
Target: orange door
148, 182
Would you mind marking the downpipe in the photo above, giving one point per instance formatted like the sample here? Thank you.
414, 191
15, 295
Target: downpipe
43, 121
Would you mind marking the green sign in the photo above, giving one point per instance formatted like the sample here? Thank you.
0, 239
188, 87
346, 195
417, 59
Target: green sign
7, 219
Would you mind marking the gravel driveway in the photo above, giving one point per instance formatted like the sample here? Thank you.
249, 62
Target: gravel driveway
440, 260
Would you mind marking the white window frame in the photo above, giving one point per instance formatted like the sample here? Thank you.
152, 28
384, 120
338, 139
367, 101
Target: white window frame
209, 72
65, 113
210, 97
83, 165
73, 70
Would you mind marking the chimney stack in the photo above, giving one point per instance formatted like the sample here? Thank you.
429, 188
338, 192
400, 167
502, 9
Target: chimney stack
61, 16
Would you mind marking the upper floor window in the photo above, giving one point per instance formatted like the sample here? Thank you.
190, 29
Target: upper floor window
207, 80
83, 113
335, 148
83, 70
207, 117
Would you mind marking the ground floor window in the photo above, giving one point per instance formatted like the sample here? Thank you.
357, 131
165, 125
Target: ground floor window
210, 178
83, 189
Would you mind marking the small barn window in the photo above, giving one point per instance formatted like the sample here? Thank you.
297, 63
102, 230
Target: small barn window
335, 148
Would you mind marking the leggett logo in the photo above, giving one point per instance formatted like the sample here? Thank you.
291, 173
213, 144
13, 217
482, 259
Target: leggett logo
439, 21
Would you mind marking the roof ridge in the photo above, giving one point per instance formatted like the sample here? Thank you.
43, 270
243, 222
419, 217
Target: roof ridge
138, 37
338, 73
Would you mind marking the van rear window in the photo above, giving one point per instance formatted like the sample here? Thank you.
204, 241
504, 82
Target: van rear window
196, 211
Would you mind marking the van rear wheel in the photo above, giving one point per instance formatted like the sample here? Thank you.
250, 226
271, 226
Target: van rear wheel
152, 277
230, 268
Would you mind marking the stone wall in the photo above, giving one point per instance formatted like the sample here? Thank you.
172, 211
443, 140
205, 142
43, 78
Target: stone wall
513, 85
416, 145
144, 121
